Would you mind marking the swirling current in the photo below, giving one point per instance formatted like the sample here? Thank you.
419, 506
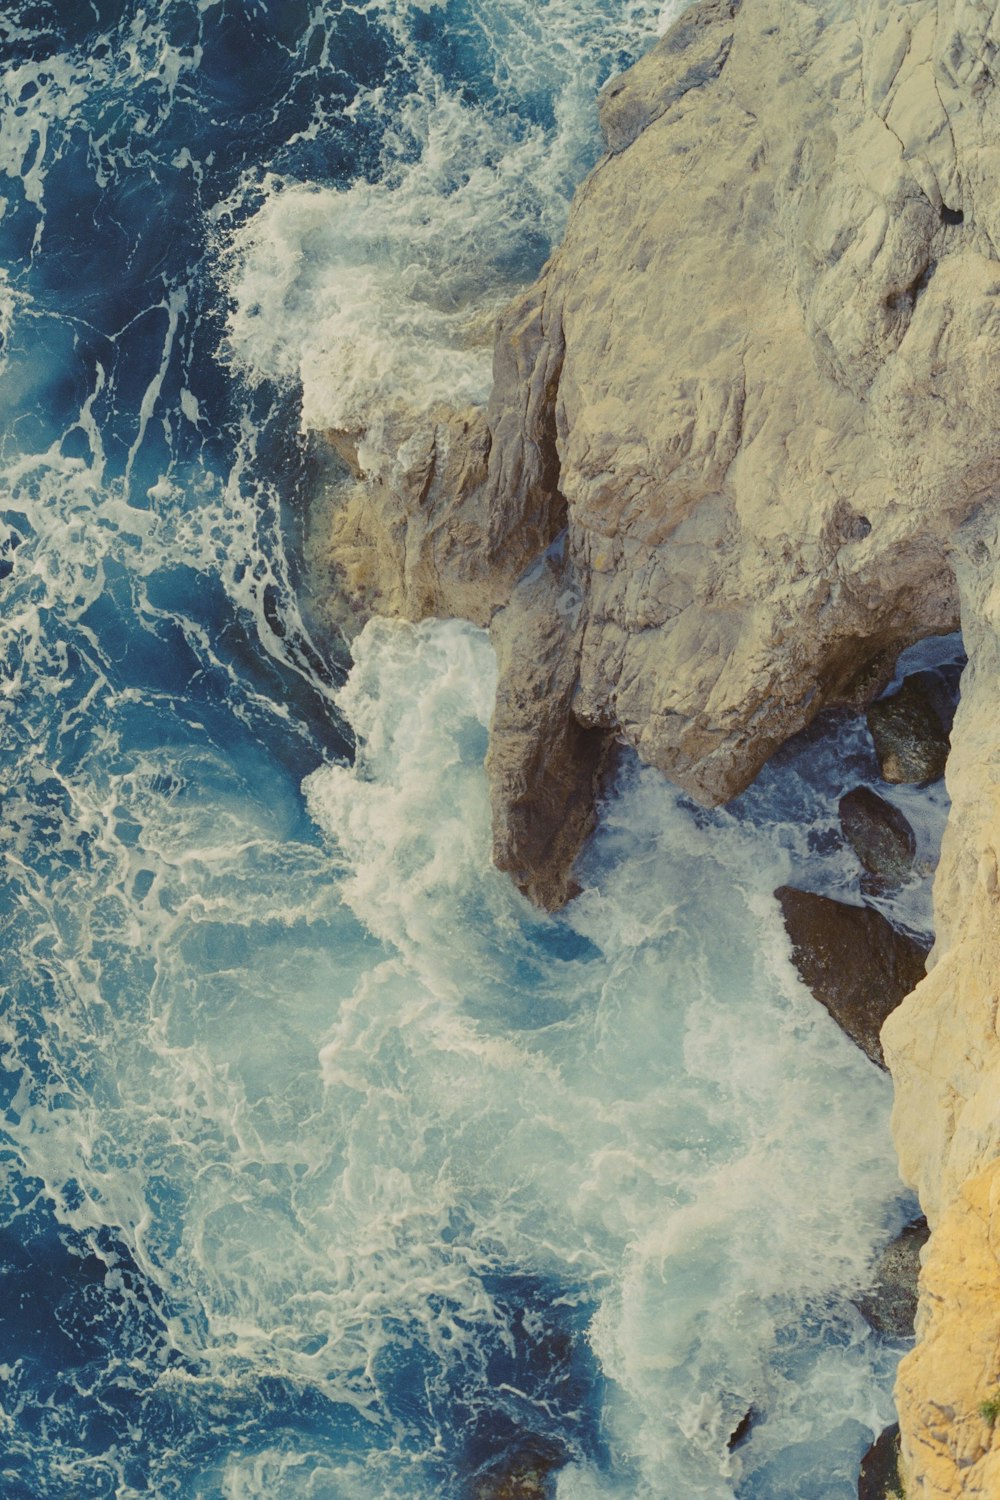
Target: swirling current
331, 1169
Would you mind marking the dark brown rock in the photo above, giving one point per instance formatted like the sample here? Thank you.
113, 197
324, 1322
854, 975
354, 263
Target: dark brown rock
520, 1483
910, 730
527, 1472
879, 1476
543, 765
891, 1304
854, 961
880, 836
741, 1432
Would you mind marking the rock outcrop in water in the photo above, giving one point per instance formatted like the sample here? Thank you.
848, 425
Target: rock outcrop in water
855, 962
758, 389
890, 1305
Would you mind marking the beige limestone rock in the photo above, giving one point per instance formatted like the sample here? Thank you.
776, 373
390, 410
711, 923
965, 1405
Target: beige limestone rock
759, 383
447, 524
949, 1448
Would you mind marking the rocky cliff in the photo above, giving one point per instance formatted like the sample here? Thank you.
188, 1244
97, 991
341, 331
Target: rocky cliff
744, 444
944, 1051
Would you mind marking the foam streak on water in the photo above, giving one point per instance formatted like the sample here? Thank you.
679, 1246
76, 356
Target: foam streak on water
328, 1167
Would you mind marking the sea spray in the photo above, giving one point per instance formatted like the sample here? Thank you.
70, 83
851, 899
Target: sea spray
675, 1115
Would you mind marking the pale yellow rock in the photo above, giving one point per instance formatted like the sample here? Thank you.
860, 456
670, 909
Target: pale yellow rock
949, 1448
943, 1048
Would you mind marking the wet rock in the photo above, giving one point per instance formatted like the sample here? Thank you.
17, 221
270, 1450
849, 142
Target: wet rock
891, 1305
880, 836
879, 1476
910, 730
526, 1473
855, 962
529, 1483
741, 1432
542, 786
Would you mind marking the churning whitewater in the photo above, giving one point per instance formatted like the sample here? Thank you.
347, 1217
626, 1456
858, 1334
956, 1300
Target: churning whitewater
332, 1169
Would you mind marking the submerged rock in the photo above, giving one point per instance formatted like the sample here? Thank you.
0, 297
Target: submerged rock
855, 962
910, 730
890, 1306
879, 1477
528, 1472
880, 836
741, 1432
527, 1483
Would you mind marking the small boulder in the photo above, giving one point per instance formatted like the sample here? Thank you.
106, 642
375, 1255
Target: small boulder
741, 1432
880, 836
879, 1476
910, 729
890, 1307
527, 1471
855, 962
526, 1483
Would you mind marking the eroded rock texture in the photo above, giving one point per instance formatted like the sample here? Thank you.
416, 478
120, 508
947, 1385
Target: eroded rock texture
757, 384
943, 1048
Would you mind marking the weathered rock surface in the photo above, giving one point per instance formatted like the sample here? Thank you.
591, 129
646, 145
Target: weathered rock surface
910, 731
856, 964
761, 407
950, 1448
880, 836
943, 1047
543, 785
890, 1305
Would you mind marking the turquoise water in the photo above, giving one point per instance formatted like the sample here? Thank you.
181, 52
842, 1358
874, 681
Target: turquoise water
330, 1168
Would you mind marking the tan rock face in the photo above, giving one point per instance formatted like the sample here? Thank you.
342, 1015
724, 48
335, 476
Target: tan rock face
759, 383
779, 390
943, 1048
950, 1444
469, 499
543, 784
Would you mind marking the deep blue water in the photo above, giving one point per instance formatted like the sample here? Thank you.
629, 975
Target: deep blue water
329, 1169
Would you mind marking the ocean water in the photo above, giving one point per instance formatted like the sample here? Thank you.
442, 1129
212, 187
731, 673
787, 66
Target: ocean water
331, 1169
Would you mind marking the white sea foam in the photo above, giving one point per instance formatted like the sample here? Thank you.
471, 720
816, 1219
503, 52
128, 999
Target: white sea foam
703, 1120
45, 97
378, 297
316, 1139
